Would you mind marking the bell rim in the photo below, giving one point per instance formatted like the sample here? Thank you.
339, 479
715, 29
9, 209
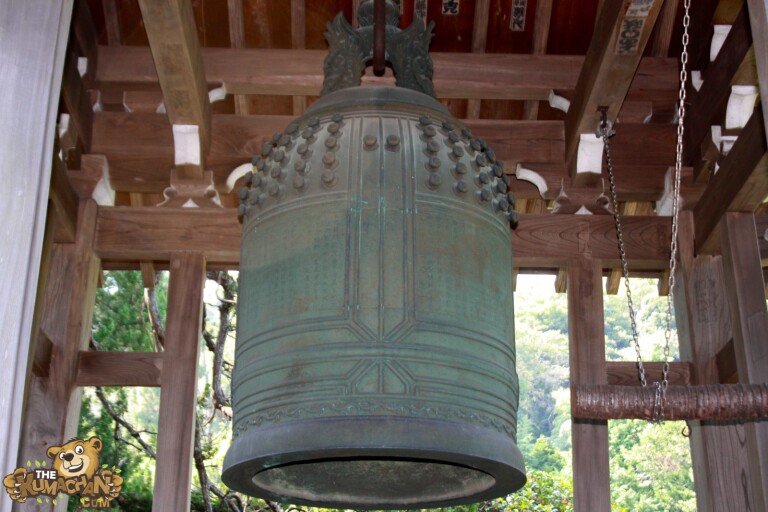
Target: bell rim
438, 442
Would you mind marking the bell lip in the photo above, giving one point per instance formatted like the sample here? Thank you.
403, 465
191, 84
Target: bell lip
379, 97
442, 442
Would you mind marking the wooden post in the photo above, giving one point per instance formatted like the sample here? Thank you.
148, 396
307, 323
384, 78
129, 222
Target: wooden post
178, 395
704, 326
746, 294
591, 478
33, 35
53, 402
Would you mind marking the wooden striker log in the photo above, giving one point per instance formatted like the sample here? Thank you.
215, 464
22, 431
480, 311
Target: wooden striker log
711, 402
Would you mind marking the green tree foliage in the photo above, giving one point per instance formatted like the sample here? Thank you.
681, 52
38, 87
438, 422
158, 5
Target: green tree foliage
544, 492
651, 467
545, 457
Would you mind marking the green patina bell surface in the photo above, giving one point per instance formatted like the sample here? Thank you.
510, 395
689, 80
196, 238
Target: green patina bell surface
375, 362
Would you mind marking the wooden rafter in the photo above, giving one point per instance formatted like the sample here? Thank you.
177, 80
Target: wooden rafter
758, 17
298, 42
666, 27
708, 103
237, 40
540, 39
479, 41
457, 75
614, 55
173, 39
741, 184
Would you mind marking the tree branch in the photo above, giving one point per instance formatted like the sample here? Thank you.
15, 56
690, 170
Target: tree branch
156, 320
119, 420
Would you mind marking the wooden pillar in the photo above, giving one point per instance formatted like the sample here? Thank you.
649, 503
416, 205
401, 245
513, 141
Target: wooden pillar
591, 477
33, 35
746, 295
178, 395
704, 328
53, 401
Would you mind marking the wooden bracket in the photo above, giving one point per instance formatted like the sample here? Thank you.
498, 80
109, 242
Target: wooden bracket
191, 193
582, 201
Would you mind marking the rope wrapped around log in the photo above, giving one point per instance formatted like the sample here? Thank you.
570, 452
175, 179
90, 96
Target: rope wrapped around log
710, 402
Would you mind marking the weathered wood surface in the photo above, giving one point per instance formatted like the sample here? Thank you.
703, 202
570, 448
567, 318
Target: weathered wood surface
33, 35
703, 325
609, 68
173, 39
625, 373
119, 368
749, 318
540, 241
178, 395
715, 402
457, 75
591, 479
53, 403
708, 103
758, 19
741, 183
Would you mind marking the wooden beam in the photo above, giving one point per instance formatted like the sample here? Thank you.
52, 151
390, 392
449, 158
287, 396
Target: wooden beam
540, 39
237, 40
479, 41
591, 479
749, 318
298, 41
457, 75
119, 368
621, 33
63, 200
172, 34
139, 148
665, 29
740, 184
614, 276
540, 241
624, 373
53, 403
758, 18
703, 325
701, 33
708, 103
112, 22
34, 44
178, 394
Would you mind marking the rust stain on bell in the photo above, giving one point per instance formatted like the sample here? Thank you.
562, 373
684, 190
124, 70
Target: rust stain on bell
375, 360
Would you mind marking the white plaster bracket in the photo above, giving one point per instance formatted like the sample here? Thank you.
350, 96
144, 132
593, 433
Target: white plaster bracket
103, 193
741, 103
532, 177
718, 38
559, 102
236, 174
589, 158
186, 144
82, 66
218, 94
696, 80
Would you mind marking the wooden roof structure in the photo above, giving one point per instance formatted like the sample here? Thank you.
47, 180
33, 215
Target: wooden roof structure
113, 107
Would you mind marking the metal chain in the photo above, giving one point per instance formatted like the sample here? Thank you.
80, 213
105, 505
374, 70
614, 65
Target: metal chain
606, 132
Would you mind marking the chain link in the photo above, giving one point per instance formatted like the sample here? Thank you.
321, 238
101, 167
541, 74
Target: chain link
606, 132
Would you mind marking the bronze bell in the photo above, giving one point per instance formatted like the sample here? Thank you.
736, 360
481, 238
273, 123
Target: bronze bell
375, 360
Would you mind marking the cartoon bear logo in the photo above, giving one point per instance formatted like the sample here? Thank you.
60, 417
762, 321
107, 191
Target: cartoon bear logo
76, 457
75, 470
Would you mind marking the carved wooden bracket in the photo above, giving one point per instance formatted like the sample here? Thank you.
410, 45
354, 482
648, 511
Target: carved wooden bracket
191, 193
582, 201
